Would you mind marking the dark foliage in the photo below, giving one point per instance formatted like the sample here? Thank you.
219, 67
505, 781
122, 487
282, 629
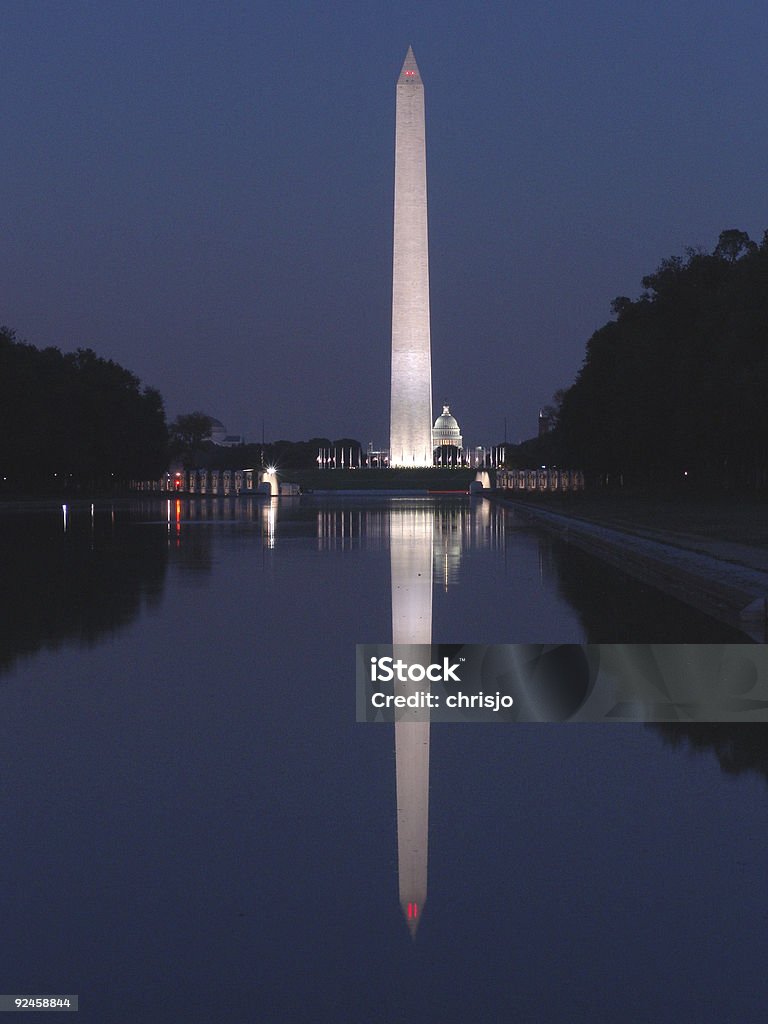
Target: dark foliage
283, 454
186, 436
673, 390
738, 747
75, 420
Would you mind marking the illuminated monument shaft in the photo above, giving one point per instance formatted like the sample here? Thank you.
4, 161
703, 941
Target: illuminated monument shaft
410, 440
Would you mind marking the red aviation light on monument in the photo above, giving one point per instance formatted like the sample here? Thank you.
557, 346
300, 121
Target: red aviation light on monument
412, 912
410, 69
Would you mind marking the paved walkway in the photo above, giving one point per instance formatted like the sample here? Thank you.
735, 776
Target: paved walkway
725, 579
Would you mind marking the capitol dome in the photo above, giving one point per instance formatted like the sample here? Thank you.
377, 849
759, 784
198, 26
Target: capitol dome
446, 430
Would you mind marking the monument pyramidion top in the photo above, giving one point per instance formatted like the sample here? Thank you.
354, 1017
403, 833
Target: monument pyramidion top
410, 70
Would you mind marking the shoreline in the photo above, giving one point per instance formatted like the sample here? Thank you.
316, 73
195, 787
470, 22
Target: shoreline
724, 579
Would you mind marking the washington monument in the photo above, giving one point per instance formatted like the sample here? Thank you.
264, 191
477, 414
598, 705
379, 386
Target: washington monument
410, 435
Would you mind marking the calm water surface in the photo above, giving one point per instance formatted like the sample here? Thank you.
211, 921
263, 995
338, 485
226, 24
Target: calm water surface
195, 829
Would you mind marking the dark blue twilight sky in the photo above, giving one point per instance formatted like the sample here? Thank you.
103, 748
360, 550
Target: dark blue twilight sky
203, 191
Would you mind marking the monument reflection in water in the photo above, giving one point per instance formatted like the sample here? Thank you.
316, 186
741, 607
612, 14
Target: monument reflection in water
411, 535
424, 540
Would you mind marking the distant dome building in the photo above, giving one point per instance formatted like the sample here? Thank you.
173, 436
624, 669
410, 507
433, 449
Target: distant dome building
220, 436
218, 431
446, 430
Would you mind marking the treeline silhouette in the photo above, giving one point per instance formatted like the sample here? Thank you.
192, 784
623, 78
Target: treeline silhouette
739, 748
285, 455
672, 392
75, 420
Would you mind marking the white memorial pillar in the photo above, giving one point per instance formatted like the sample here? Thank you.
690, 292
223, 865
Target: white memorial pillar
411, 397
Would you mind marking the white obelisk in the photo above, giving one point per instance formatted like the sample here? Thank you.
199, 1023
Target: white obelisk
410, 437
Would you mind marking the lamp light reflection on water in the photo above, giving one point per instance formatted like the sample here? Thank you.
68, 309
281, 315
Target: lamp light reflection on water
269, 520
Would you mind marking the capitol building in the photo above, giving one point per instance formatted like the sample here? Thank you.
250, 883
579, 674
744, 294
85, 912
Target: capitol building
447, 450
446, 430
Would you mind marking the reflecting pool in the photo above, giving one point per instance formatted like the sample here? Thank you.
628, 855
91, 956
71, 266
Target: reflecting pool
196, 828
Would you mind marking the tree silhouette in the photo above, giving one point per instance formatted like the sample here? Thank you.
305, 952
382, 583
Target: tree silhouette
75, 420
673, 389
